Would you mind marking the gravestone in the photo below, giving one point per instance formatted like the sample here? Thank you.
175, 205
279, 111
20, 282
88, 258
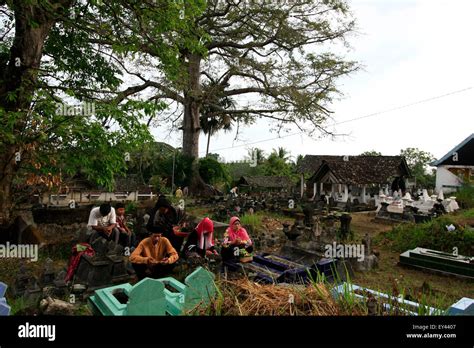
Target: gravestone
464, 306
48, 275
345, 226
26, 285
4, 307
95, 271
370, 261
147, 298
200, 289
164, 296
293, 233
115, 255
435, 260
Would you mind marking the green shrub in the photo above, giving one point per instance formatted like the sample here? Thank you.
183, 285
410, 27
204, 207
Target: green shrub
131, 207
432, 235
252, 222
465, 196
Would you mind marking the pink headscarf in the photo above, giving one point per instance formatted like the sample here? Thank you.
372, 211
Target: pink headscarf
205, 232
241, 233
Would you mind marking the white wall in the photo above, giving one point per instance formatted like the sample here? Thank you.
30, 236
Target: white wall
445, 178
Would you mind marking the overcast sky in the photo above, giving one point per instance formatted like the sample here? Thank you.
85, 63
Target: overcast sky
411, 51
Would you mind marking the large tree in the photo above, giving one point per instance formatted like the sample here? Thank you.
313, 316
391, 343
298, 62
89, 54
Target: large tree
51, 52
272, 62
418, 161
25, 27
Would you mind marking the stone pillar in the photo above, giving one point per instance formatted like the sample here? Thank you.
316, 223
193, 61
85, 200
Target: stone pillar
345, 195
302, 185
364, 199
314, 189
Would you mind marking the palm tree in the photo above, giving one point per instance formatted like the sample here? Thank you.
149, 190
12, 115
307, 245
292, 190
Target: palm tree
282, 153
213, 115
259, 154
211, 125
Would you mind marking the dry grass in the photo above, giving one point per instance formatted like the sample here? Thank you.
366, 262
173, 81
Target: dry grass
246, 298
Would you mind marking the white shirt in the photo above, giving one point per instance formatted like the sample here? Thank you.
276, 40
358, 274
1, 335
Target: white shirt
96, 218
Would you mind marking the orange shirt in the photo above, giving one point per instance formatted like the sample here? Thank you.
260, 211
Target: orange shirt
158, 252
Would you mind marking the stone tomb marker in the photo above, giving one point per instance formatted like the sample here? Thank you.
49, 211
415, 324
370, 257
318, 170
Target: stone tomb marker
147, 298
200, 289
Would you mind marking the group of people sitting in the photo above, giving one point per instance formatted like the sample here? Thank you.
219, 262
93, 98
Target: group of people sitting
170, 234
110, 223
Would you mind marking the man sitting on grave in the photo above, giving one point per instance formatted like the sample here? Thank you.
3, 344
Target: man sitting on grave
154, 257
102, 221
127, 238
237, 243
200, 242
162, 220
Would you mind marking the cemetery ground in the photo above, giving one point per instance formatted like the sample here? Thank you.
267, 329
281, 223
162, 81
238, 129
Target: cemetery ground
437, 290
242, 296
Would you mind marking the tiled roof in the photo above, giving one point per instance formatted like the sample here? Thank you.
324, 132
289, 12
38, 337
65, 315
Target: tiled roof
359, 170
266, 181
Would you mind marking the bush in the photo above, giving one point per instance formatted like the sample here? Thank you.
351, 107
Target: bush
212, 172
432, 235
251, 221
131, 208
465, 196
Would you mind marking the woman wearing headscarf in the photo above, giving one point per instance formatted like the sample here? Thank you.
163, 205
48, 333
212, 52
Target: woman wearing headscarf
237, 242
201, 239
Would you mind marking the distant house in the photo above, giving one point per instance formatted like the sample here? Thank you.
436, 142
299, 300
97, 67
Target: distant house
344, 176
82, 190
456, 167
265, 182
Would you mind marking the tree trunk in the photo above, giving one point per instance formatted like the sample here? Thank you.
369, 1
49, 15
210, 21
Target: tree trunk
6, 180
18, 77
191, 124
208, 142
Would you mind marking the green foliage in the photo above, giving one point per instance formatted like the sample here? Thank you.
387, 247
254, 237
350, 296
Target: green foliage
256, 154
251, 221
275, 165
371, 153
238, 169
418, 162
131, 208
212, 171
432, 235
468, 213
85, 58
465, 196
